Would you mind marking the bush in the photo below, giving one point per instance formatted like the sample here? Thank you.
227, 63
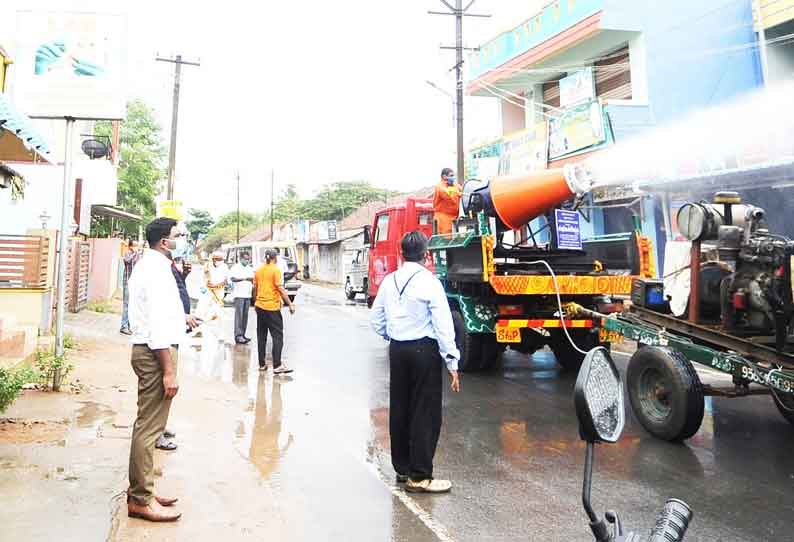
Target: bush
46, 366
11, 382
101, 305
69, 342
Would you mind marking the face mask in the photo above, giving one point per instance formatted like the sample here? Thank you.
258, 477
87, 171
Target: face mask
245, 263
180, 248
450, 180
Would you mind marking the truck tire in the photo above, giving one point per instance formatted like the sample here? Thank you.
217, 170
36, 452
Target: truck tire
350, 293
491, 352
785, 405
469, 345
567, 356
665, 393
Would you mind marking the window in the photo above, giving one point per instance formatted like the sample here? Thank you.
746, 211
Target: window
382, 229
231, 256
613, 75
425, 219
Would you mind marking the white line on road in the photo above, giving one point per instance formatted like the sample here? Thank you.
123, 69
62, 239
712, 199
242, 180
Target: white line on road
434, 526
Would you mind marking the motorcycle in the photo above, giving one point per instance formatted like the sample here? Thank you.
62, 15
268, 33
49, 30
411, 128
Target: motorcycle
599, 401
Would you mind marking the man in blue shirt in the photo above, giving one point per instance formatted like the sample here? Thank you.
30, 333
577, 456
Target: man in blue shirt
411, 312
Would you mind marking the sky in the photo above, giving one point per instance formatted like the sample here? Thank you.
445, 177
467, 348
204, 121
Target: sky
315, 91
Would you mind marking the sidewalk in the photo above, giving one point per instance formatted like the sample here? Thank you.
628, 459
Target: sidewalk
63, 456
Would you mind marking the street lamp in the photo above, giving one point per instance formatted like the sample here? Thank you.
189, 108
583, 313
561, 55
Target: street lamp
448, 94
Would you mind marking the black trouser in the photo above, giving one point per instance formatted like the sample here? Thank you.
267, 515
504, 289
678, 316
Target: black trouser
414, 406
269, 321
241, 307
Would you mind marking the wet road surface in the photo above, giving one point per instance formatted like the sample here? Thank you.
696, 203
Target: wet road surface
318, 441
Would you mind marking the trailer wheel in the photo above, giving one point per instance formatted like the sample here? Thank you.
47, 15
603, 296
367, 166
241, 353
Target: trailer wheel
566, 355
785, 404
469, 345
665, 393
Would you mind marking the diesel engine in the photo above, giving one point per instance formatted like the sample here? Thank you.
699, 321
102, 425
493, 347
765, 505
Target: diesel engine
745, 274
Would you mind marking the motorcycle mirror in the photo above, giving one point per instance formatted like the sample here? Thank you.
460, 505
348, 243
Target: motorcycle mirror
598, 398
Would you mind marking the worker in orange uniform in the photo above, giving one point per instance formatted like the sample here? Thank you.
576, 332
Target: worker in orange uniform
446, 201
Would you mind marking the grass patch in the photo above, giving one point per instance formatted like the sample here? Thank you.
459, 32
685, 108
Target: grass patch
11, 382
100, 305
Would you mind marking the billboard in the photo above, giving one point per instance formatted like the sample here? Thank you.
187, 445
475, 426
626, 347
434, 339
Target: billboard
524, 151
576, 128
71, 64
171, 209
577, 87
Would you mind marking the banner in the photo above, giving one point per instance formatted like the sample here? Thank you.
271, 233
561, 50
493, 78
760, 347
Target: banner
576, 128
524, 151
483, 161
171, 209
71, 64
577, 87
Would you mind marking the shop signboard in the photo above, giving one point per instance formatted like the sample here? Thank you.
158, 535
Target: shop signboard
171, 209
524, 151
71, 65
577, 87
576, 128
483, 160
569, 231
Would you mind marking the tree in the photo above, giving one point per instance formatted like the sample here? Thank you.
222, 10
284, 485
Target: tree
199, 222
336, 201
230, 219
141, 167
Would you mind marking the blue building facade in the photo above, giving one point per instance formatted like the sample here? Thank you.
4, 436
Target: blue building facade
582, 75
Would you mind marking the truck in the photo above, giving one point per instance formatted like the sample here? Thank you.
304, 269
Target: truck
388, 227
356, 275
511, 294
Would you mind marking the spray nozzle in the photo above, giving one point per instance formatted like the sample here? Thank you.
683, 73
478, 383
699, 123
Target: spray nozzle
579, 177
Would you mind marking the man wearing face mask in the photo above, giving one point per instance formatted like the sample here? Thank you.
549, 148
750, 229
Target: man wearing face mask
158, 321
242, 277
446, 201
217, 274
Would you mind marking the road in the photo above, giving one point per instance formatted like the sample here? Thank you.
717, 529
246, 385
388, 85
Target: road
318, 442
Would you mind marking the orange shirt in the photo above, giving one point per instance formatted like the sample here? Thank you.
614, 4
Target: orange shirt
446, 199
267, 279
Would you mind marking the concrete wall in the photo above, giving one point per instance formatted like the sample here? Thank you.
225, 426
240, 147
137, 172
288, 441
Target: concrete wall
26, 306
103, 279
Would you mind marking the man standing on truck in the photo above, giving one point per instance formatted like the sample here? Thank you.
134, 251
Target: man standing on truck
411, 312
446, 201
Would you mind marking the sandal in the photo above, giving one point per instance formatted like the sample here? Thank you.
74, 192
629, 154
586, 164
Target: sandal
169, 434
428, 486
165, 444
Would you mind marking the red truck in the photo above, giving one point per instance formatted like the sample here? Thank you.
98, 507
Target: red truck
388, 228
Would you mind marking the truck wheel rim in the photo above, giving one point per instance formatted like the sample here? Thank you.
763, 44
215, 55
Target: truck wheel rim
655, 395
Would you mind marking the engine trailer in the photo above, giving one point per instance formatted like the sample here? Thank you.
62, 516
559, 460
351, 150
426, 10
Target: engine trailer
736, 316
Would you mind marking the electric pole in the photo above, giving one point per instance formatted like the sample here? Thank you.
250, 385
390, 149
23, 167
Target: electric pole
238, 206
459, 12
174, 118
272, 202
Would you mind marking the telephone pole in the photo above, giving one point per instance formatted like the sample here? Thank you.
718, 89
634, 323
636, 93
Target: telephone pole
272, 197
459, 12
238, 206
177, 62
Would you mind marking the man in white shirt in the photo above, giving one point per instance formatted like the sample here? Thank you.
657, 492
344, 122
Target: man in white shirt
217, 275
411, 311
241, 276
282, 264
157, 321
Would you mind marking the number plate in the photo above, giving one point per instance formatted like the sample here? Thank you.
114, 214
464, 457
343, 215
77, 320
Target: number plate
506, 334
606, 336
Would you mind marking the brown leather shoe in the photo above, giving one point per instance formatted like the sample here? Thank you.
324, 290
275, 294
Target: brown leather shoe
166, 501
153, 512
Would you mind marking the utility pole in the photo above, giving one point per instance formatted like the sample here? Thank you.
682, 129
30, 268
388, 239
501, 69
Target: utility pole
272, 202
762, 46
459, 12
174, 118
238, 206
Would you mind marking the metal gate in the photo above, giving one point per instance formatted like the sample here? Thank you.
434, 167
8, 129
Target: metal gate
77, 275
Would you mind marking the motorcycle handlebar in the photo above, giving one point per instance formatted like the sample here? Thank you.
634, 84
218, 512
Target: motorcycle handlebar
672, 523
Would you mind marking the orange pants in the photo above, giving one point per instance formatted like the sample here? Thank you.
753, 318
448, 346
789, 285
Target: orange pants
444, 222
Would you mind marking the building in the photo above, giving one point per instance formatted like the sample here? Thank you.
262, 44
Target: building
577, 76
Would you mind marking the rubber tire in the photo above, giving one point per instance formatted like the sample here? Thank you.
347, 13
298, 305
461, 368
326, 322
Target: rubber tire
469, 345
786, 410
566, 355
370, 301
687, 404
350, 293
491, 352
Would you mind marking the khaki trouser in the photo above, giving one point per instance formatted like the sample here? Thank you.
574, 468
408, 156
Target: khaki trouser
153, 410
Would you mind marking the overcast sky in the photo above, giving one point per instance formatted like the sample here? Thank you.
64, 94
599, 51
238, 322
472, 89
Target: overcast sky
317, 91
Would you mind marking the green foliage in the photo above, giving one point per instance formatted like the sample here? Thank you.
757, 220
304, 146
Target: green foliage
47, 364
334, 202
230, 219
199, 222
69, 342
227, 234
100, 305
11, 382
141, 166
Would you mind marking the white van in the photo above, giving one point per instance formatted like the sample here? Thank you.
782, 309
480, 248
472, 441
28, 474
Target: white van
257, 251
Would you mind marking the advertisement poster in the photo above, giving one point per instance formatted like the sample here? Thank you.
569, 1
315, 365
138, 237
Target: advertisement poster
577, 87
524, 151
577, 128
71, 64
569, 232
483, 163
171, 209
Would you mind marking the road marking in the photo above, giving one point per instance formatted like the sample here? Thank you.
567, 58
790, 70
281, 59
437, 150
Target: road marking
434, 526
